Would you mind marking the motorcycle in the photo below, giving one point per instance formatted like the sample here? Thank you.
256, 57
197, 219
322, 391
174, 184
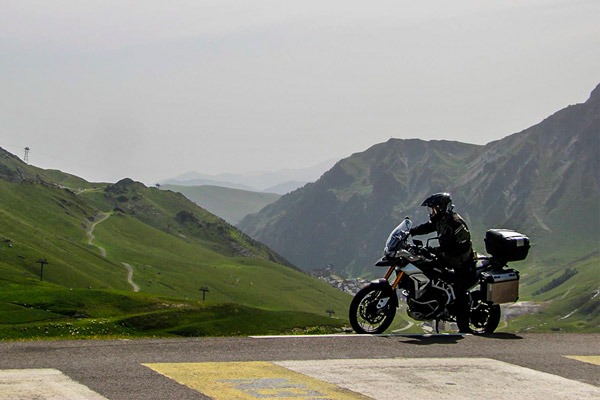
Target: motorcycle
426, 286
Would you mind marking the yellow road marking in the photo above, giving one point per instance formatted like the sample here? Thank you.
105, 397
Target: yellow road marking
251, 380
587, 359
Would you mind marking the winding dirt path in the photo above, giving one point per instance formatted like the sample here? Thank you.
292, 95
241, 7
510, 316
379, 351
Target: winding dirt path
90, 235
90, 231
135, 287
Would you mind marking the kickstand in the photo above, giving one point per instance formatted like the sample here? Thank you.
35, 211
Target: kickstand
437, 326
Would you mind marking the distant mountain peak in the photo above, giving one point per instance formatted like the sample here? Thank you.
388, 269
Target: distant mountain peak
255, 181
595, 95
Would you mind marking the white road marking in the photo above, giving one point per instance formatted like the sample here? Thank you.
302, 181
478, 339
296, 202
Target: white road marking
42, 384
351, 335
302, 336
443, 378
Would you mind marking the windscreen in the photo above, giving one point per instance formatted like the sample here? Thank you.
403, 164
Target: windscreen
399, 234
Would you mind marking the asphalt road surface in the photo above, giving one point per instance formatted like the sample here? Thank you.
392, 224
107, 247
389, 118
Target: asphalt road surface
501, 366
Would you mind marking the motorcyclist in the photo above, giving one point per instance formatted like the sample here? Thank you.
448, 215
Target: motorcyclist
455, 251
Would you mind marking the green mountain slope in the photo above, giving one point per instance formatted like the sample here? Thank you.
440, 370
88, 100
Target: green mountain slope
344, 218
230, 204
543, 181
89, 233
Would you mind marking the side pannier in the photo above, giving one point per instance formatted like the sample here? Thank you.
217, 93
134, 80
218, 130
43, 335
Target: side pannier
500, 286
506, 244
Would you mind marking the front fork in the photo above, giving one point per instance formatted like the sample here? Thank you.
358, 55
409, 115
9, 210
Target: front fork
399, 276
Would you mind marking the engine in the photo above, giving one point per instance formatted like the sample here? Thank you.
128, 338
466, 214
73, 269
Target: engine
428, 298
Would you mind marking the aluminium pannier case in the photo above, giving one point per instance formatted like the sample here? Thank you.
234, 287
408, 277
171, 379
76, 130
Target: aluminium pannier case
506, 244
500, 286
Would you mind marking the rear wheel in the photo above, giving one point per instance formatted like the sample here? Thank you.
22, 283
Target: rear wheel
483, 318
373, 308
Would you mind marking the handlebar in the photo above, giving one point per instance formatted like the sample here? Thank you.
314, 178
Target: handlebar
421, 251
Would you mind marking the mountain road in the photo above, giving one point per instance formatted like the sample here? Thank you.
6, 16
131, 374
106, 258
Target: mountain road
502, 366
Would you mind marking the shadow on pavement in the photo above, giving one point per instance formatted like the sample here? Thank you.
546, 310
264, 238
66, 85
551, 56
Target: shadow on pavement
503, 336
428, 339
433, 339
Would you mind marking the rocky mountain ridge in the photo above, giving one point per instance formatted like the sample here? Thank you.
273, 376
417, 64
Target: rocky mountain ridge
543, 181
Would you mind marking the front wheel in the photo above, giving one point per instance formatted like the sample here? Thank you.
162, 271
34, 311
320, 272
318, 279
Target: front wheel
483, 317
373, 308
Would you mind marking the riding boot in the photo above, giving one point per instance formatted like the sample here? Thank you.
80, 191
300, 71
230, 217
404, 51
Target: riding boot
462, 311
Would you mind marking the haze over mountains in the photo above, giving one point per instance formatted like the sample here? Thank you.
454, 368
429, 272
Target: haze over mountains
279, 182
234, 196
230, 204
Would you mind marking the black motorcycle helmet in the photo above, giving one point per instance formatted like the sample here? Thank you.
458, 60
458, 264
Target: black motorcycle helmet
439, 204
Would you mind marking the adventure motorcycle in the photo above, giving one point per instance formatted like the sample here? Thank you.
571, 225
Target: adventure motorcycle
427, 286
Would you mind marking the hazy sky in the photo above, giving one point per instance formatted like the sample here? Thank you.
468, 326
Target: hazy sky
106, 89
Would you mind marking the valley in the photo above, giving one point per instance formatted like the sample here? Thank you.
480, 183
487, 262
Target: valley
125, 260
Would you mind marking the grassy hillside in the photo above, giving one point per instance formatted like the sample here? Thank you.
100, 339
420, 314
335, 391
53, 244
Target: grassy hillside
568, 299
88, 232
47, 312
230, 204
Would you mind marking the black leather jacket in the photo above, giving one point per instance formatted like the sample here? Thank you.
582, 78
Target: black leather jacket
454, 237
